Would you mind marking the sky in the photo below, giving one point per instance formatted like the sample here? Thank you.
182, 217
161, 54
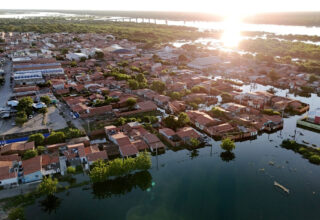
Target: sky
222, 7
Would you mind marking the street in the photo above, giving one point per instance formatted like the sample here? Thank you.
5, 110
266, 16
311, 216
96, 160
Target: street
6, 90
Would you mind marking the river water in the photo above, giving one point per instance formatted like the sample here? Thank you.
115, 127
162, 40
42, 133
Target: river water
199, 184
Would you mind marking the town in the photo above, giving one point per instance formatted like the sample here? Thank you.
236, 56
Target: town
73, 99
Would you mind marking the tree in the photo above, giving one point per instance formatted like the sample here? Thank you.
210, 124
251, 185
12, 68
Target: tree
313, 78
56, 137
171, 122
141, 78
46, 99
21, 118
175, 95
198, 89
227, 144
73, 64
38, 138
143, 161
99, 54
25, 104
130, 102
41, 149
29, 154
71, 170
194, 142
16, 213
48, 186
226, 97
183, 119
274, 76
158, 86
133, 84
217, 112
64, 51
43, 110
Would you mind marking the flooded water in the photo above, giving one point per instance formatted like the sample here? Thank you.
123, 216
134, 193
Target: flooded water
200, 184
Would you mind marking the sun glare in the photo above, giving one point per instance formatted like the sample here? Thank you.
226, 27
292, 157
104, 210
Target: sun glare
231, 31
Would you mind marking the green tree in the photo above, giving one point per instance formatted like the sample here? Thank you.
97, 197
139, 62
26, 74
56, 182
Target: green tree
46, 99
133, 84
41, 149
130, 102
43, 110
71, 170
141, 78
16, 213
25, 104
48, 186
38, 138
158, 86
217, 112
21, 118
274, 76
73, 64
56, 137
175, 95
194, 142
227, 144
171, 122
99, 54
183, 119
29, 154
226, 97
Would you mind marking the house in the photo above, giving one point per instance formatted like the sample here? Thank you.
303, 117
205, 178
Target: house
78, 149
50, 164
170, 136
94, 156
186, 133
176, 107
8, 176
153, 142
219, 130
32, 169
17, 148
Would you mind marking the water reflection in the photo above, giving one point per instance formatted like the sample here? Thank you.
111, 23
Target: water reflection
227, 156
50, 204
122, 185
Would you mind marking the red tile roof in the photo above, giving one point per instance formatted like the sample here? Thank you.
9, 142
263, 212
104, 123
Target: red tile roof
31, 165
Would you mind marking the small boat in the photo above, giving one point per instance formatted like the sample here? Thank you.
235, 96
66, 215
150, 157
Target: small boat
305, 142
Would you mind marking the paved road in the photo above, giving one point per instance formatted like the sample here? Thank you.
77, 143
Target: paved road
6, 90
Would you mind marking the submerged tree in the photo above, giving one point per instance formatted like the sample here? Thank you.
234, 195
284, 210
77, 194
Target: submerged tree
48, 186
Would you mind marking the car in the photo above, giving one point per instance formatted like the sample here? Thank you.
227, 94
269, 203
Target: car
30, 116
13, 123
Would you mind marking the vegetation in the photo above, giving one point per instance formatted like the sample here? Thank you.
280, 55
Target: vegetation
227, 144
310, 153
274, 47
48, 186
226, 97
118, 167
173, 123
198, 89
158, 86
71, 170
56, 137
131, 102
38, 139
217, 112
29, 154
270, 112
41, 149
149, 34
194, 142
16, 213
45, 99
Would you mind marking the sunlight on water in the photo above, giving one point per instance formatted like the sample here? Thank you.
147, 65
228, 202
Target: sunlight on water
231, 31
